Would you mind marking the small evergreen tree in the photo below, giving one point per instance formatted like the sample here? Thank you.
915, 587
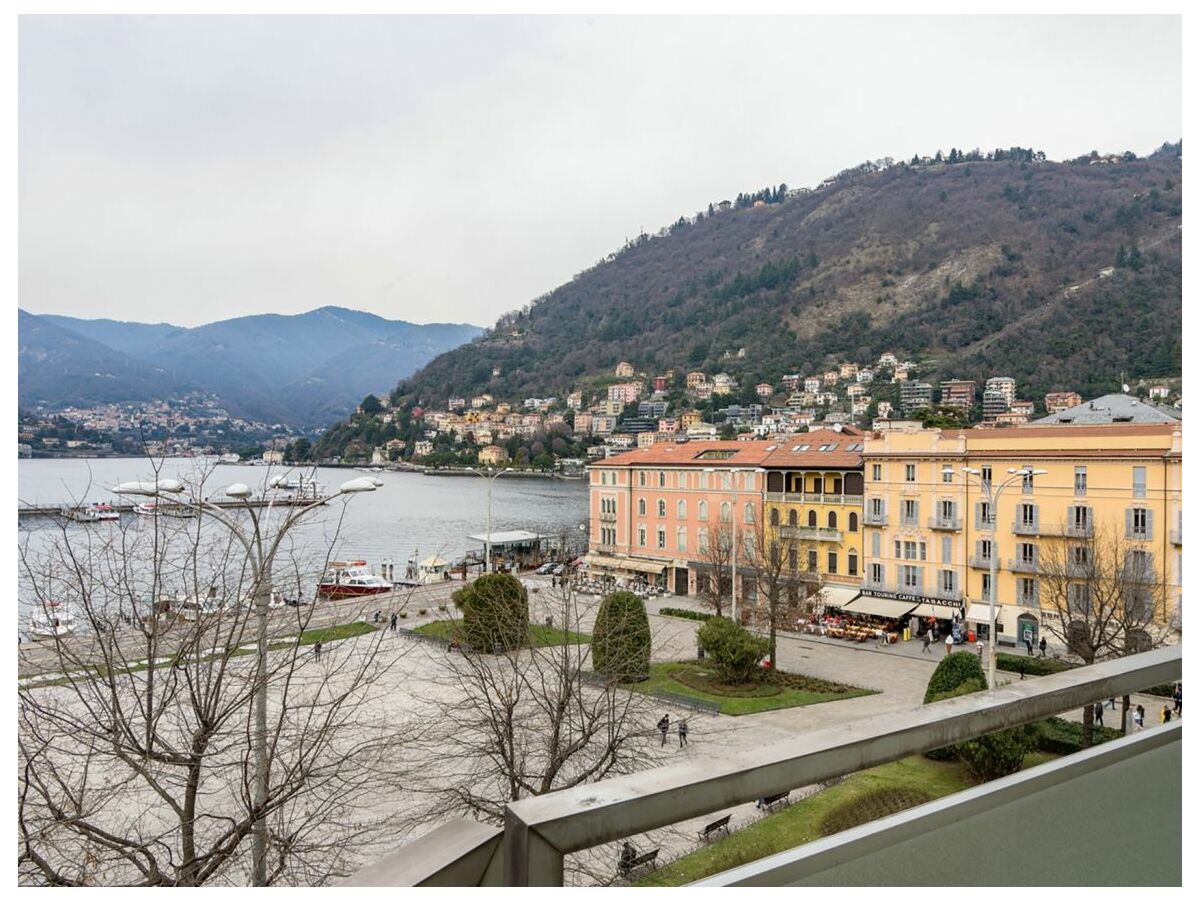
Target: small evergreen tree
735, 652
621, 638
495, 613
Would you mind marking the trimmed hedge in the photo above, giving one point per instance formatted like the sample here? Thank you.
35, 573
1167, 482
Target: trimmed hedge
685, 613
734, 652
495, 613
954, 670
876, 805
1161, 690
1062, 736
1032, 665
621, 638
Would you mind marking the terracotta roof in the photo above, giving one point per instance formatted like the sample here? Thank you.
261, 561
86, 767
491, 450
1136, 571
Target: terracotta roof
822, 448
781, 452
1071, 431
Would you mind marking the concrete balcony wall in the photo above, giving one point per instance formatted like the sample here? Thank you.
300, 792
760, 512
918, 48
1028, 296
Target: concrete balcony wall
941, 524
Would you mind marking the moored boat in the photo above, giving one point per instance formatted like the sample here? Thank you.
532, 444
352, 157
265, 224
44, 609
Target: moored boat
351, 579
85, 514
56, 620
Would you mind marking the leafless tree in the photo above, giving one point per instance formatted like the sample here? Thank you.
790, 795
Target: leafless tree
716, 553
135, 741
782, 579
1103, 597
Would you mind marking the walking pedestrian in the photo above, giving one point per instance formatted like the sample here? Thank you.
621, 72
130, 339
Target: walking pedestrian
1112, 702
664, 725
1165, 715
392, 621
1178, 698
317, 649
1139, 717
1029, 646
979, 650
683, 733
949, 644
925, 642
1098, 713
377, 614
1042, 647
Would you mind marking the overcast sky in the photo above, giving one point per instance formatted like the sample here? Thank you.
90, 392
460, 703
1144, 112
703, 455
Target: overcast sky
188, 169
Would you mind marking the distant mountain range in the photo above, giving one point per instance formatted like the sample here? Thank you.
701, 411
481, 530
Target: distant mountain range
301, 370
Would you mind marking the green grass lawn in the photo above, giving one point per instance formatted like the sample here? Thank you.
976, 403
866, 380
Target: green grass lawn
801, 822
539, 635
661, 679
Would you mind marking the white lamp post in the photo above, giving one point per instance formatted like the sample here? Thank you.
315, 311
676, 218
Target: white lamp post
260, 567
993, 499
487, 544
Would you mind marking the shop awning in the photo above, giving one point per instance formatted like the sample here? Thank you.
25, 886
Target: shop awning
879, 606
938, 611
838, 597
625, 564
978, 612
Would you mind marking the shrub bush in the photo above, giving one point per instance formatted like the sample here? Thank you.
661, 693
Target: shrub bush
495, 613
1062, 736
875, 805
621, 638
735, 653
685, 613
992, 755
1031, 665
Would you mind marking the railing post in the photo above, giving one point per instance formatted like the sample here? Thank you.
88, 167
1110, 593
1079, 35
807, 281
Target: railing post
529, 860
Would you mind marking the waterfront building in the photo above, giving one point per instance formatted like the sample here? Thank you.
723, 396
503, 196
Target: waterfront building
958, 393
929, 535
1005, 385
493, 455
995, 403
915, 395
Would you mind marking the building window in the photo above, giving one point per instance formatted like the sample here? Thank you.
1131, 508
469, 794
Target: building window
642, 536
1139, 481
681, 509
641, 506
851, 563
1079, 598
910, 578
876, 472
832, 562
681, 539
774, 516
748, 514
1027, 554
946, 581
793, 518
793, 559
877, 507
812, 518
702, 511
726, 512
875, 542
702, 540
812, 560
910, 472
909, 510
947, 475
946, 557
983, 515
985, 550
852, 522
910, 549
662, 479
1027, 515
987, 586
1027, 483
876, 573
681, 479
1027, 591
1081, 519
985, 474
662, 509
1138, 523
832, 519
1081, 481
662, 539
641, 479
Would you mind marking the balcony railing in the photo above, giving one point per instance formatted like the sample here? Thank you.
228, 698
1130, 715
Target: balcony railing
944, 523
608, 517
539, 831
807, 533
871, 518
980, 562
1067, 529
1029, 528
955, 595
798, 497
1024, 565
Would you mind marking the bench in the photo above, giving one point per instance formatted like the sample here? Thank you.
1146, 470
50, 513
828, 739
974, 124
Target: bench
649, 858
720, 823
776, 799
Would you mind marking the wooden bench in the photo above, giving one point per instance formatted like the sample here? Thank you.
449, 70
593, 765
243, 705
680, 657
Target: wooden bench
720, 823
649, 858
768, 803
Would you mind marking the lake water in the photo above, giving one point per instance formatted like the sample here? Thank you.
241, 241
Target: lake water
412, 515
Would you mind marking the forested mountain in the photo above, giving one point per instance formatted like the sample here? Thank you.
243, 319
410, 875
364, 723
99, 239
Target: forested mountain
973, 265
303, 369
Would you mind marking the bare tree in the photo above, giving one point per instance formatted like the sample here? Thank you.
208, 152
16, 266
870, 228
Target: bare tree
135, 752
530, 721
1104, 598
716, 554
781, 579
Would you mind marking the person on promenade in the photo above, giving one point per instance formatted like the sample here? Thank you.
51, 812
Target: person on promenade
1098, 713
392, 621
949, 644
683, 733
1042, 647
926, 640
1139, 717
1165, 716
664, 725
1029, 646
1178, 698
1112, 702
317, 649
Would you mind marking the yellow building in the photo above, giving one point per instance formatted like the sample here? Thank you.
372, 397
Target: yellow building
930, 535
814, 500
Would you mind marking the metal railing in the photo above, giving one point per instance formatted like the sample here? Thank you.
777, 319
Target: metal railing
945, 523
799, 497
870, 518
1024, 565
810, 533
1029, 528
979, 562
539, 831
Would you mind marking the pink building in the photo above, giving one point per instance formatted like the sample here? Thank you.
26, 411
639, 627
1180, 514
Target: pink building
654, 510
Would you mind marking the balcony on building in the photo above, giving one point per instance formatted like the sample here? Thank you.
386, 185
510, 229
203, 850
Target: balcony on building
808, 533
1032, 529
1067, 529
1177, 537
1029, 566
608, 517
980, 562
871, 518
1023, 826
945, 523
790, 487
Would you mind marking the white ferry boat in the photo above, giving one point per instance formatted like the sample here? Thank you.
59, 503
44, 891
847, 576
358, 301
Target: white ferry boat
351, 579
55, 621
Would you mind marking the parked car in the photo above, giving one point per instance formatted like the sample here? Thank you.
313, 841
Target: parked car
557, 570
543, 569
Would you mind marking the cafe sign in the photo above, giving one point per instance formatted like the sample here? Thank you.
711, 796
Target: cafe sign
910, 598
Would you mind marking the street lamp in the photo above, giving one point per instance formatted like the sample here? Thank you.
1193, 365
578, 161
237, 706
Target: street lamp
487, 544
993, 499
260, 568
